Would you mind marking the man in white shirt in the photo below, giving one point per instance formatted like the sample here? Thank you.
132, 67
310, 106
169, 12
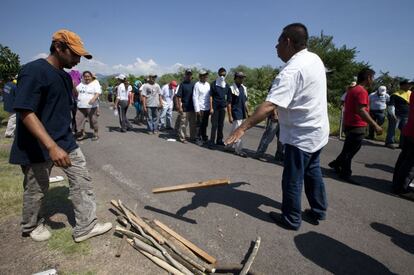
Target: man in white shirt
299, 93
201, 101
122, 102
151, 102
377, 105
167, 95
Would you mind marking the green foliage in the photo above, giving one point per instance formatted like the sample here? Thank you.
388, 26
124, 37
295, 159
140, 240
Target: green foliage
341, 60
62, 241
392, 83
9, 63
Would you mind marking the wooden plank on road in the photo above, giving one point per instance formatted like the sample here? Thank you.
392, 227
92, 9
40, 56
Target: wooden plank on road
190, 186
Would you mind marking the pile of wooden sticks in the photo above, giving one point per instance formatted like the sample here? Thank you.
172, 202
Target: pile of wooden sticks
161, 244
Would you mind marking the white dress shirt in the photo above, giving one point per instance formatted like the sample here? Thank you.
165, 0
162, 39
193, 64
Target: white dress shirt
201, 96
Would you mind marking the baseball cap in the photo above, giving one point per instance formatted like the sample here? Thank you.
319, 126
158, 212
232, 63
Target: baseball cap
203, 72
121, 76
173, 83
188, 71
239, 74
152, 75
382, 89
73, 41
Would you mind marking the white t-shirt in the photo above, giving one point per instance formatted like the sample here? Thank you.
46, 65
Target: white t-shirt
300, 93
201, 96
86, 92
122, 93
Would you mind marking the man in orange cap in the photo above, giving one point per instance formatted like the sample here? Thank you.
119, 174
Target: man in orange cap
44, 139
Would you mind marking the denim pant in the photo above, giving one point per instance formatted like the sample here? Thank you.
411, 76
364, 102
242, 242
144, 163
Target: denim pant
217, 124
394, 123
36, 185
352, 144
166, 117
122, 112
302, 167
272, 130
404, 168
379, 117
152, 117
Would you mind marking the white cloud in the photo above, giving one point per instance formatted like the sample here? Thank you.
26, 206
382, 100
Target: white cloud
138, 67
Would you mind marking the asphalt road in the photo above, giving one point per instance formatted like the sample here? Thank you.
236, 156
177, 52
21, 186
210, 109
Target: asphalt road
367, 230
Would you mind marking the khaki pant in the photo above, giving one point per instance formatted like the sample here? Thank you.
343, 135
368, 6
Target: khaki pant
11, 126
181, 125
86, 113
36, 185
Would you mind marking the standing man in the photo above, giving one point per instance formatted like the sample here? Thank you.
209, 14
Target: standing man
356, 120
9, 94
167, 95
122, 102
201, 100
377, 105
398, 109
151, 102
185, 105
299, 94
237, 108
44, 139
404, 168
218, 102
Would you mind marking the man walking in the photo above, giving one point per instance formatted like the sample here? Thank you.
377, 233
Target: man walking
237, 108
167, 95
398, 109
299, 94
377, 105
201, 100
218, 102
44, 138
151, 101
185, 105
356, 120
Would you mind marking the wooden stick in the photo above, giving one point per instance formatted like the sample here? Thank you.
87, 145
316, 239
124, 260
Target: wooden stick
190, 186
250, 260
184, 262
131, 234
183, 251
122, 243
136, 220
157, 261
190, 245
148, 248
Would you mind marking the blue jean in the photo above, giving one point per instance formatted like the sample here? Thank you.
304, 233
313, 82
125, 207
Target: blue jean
379, 117
166, 117
302, 167
272, 130
153, 117
393, 124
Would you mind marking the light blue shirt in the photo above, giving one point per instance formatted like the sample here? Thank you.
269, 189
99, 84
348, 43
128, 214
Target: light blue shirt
378, 102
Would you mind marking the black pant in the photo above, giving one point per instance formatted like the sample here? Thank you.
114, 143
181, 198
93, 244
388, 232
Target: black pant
352, 144
404, 168
202, 123
217, 124
122, 112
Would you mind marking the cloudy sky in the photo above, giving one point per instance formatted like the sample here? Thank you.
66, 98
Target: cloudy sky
140, 37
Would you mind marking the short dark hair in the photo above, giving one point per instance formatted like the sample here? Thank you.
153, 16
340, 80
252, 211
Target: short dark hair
297, 33
57, 44
364, 74
221, 70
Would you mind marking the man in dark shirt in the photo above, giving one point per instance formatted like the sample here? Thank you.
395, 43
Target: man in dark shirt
398, 109
44, 138
218, 102
186, 113
237, 108
9, 93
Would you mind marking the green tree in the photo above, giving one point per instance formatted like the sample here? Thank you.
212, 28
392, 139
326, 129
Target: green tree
384, 79
340, 60
9, 63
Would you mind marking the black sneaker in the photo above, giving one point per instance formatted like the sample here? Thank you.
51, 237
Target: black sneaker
220, 143
334, 165
311, 217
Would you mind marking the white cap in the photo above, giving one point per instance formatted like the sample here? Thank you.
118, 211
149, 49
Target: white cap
121, 76
382, 89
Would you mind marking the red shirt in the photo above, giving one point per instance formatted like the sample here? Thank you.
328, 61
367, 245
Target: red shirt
409, 127
354, 97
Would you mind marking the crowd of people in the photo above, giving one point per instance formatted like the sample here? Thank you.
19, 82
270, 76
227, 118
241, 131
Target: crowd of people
295, 110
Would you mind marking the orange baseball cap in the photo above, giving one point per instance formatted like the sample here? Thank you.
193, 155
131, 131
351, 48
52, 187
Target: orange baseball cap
73, 41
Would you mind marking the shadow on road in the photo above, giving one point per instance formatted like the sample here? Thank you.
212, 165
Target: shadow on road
57, 201
243, 201
169, 214
337, 257
380, 166
400, 239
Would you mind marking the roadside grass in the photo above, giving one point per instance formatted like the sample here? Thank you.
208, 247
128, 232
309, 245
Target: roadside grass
62, 242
